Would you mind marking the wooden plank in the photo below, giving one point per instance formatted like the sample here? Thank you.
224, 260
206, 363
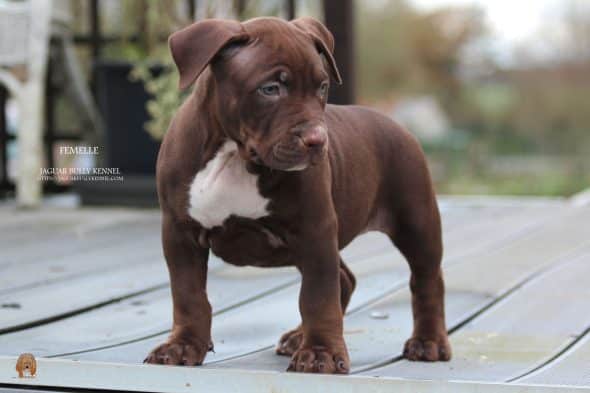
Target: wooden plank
468, 219
143, 271
84, 256
144, 268
54, 238
374, 341
43, 237
19, 227
517, 334
260, 322
54, 259
572, 368
57, 300
230, 286
69, 299
97, 250
505, 270
84, 250
96, 245
65, 374
136, 317
18, 389
24, 221
62, 226
466, 222
16, 317
376, 277
582, 198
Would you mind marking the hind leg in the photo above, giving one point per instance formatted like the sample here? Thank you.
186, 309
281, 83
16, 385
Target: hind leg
418, 237
290, 341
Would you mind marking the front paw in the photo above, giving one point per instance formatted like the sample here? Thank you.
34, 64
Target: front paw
321, 360
427, 350
177, 352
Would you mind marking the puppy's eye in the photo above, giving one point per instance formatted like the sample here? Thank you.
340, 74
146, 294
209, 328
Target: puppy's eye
270, 89
323, 90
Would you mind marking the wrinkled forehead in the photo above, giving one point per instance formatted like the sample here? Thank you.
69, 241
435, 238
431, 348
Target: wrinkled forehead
278, 34
274, 42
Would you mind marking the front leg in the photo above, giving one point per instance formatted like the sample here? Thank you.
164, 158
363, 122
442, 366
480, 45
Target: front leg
190, 338
322, 349
291, 341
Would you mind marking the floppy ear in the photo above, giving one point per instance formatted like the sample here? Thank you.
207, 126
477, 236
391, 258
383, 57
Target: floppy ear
195, 46
323, 39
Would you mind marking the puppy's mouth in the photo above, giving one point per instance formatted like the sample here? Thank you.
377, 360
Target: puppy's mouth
287, 156
291, 158
296, 150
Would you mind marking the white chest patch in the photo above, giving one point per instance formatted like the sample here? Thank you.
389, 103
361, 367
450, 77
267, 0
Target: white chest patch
224, 188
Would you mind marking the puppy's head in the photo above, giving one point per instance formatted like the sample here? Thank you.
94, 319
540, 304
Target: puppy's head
271, 84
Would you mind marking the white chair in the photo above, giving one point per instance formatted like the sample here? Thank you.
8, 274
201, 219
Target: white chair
24, 45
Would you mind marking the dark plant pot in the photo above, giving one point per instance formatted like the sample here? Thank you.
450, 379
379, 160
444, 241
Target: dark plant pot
127, 145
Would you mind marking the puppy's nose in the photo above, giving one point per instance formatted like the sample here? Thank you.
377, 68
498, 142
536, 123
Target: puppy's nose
314, 137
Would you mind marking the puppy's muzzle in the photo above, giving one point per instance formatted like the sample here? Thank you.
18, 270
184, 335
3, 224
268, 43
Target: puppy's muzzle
298, 148
306, 145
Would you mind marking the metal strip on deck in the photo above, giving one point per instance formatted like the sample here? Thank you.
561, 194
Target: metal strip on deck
166, 379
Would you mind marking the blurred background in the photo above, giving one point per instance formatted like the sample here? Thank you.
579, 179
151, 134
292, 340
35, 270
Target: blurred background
498, 91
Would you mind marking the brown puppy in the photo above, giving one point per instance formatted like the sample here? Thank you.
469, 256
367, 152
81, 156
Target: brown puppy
258, 169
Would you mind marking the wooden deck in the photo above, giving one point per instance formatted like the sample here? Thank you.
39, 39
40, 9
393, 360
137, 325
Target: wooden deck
86, 291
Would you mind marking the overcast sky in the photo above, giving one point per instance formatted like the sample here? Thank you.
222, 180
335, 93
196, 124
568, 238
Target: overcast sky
514, 23
511, 20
